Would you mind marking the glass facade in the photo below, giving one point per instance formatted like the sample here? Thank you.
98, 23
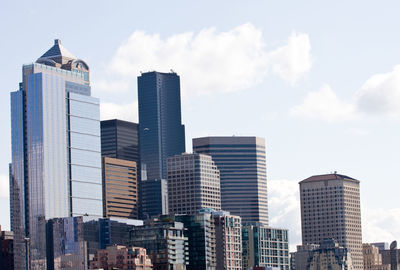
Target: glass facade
161, 131
55, 130
202, 242
120, 139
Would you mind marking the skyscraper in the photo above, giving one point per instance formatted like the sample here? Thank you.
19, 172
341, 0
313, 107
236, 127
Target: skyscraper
193, 184
330, 208
242, 166
161, 131
120, 139
56, 157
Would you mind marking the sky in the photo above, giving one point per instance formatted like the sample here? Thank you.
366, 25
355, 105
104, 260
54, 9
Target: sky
319, 80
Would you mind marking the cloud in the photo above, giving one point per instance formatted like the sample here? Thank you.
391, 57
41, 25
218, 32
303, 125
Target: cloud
324, 104
381, 93
126, 112
290, 62
4, 186
210, 61
380, 225
284, 208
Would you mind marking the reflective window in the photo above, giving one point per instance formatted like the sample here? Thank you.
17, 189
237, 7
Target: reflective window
86, 190
84, 125
87, 174
83, 109
86, 142
86, 158
87, 206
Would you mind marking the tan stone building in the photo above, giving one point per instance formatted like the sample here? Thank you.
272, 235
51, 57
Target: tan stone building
193, 184
330, 208
120, 188
373, 258
121, 257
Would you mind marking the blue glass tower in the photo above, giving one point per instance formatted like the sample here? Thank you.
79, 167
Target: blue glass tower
161, 133
56, 156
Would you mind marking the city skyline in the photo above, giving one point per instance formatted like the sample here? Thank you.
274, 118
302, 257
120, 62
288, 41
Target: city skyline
341, 57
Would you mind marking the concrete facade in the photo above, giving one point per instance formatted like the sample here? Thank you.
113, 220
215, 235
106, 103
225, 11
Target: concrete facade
193, 184
330, 208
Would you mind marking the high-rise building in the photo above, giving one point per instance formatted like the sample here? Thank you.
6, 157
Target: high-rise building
165, 241
330, 208
265, 246
154, 198
193, 184
202, 243
56, 157
120, 139
242, 166
228, 240
161, 131
120, 188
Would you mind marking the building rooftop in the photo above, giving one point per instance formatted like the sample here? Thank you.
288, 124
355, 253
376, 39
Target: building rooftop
57, 50
325, 177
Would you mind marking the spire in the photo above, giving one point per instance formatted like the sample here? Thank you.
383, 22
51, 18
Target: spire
57, 53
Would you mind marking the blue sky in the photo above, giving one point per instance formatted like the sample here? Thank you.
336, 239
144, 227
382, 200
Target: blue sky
317, 80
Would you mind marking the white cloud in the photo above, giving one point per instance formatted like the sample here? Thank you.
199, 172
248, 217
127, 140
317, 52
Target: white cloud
324, 104
212, 61
381, 93
4, 186
284, 208
126, 112
380, 225
290, 62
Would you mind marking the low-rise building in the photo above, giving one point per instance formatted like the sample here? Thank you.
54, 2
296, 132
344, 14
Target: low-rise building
121, 257
265, 246
166, 243
330, 256
6, 250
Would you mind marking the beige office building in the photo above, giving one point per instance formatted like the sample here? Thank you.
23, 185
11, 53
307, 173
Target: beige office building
193, 184
120, 188
330, 208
